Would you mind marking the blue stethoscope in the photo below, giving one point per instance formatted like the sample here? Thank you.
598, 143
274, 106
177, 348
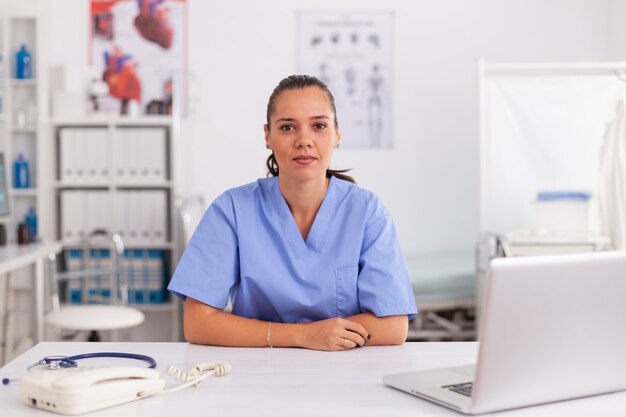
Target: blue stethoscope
64, 362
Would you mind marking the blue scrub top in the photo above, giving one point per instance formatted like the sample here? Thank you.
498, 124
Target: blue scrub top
248, 246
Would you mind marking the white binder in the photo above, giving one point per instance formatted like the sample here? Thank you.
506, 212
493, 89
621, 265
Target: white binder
99, 148
99, 211
157, 215
154, 143
68, 231
120, 215
120, 155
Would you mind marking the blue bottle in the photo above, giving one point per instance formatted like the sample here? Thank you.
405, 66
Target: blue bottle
21, 179
31, 222
23, 61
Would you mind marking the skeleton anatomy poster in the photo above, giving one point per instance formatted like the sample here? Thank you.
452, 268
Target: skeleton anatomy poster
139, 45
352, 54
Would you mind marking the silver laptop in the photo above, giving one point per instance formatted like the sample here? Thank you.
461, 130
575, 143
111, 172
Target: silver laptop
553, 329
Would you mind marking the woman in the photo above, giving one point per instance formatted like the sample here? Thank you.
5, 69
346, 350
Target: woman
308, 258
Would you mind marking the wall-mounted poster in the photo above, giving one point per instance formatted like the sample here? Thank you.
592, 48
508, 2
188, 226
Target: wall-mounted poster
139, 46
352, 54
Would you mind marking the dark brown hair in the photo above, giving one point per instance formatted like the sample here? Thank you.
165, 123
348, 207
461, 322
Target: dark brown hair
296, 82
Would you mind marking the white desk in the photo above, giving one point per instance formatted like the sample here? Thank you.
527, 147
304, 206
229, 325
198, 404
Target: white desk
14, 257
290, 382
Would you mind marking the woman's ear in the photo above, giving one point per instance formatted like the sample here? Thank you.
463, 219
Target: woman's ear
266, 132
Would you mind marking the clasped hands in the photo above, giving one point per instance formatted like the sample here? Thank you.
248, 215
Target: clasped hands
335, 334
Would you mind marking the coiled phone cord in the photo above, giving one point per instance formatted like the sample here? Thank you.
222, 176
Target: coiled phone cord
194, 376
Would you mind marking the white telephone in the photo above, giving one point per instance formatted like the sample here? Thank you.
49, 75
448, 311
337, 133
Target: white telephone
81, 390
75, 391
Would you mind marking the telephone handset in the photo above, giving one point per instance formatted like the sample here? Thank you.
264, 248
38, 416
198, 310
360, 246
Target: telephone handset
81, 390
75, 391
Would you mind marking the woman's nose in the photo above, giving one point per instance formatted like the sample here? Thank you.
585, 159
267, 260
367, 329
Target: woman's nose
304, 140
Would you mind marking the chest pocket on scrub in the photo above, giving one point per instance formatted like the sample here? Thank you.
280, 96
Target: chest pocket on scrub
347, 293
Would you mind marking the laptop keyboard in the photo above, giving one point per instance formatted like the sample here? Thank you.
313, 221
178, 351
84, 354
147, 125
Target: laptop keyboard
464, 388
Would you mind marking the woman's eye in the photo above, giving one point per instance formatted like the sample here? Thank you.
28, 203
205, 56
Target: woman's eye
319, 126
287, 127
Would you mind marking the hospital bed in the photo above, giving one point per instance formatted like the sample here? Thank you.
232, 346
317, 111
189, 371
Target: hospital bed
444, 285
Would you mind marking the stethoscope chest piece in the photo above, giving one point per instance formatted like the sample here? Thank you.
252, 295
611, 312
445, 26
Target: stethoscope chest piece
55, 362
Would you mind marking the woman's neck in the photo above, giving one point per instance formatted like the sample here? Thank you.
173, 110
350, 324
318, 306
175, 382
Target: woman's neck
304, 199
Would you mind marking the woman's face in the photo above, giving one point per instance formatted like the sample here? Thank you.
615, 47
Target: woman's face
302, 133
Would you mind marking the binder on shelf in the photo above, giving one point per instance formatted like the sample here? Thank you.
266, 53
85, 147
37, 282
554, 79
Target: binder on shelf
99, 152
143, 214
120, 215
140, 155
120, 155
140, 216
145, 272
83, 211
66, 154
134, 216
145, 148
96, 288
156, 277
132, 156
84, 156
157, 201
79, 162
98, 210
72, 212
73, 262
154, 143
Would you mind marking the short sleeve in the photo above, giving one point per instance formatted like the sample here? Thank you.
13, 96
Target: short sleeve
383, 284
209, 267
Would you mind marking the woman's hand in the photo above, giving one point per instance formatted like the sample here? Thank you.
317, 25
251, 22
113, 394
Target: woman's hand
334, 334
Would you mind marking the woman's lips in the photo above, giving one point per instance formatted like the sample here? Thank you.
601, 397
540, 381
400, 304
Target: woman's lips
304, 159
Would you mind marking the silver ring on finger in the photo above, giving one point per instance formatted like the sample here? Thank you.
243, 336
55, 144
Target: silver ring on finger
344, 342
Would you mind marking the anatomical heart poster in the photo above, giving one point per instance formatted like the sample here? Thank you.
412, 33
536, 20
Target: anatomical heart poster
139, 48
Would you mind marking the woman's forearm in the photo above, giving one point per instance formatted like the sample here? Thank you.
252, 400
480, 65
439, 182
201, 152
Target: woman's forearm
390, 330
207, 325
210, 326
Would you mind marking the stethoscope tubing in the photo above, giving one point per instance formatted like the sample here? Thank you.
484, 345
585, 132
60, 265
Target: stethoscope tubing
150, 360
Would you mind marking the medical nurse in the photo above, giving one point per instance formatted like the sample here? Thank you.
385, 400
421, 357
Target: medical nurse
308, 258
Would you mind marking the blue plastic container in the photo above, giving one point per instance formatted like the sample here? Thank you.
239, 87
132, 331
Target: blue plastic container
23, 61
21, 177
31, 223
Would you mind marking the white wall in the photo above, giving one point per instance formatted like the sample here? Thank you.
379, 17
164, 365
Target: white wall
617, 29
429, 181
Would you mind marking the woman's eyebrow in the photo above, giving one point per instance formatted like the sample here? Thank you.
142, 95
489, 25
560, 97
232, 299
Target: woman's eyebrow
291, 119
285, 119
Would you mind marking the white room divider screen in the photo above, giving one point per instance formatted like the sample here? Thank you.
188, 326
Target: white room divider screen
542, 129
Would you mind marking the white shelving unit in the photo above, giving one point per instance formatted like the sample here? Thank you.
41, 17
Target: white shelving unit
23, 120
23, 129
113, 150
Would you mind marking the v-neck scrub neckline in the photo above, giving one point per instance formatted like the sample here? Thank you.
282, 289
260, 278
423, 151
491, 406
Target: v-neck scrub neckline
317, 234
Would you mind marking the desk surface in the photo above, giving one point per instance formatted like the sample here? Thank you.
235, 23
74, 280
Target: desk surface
291, 382
13, 257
